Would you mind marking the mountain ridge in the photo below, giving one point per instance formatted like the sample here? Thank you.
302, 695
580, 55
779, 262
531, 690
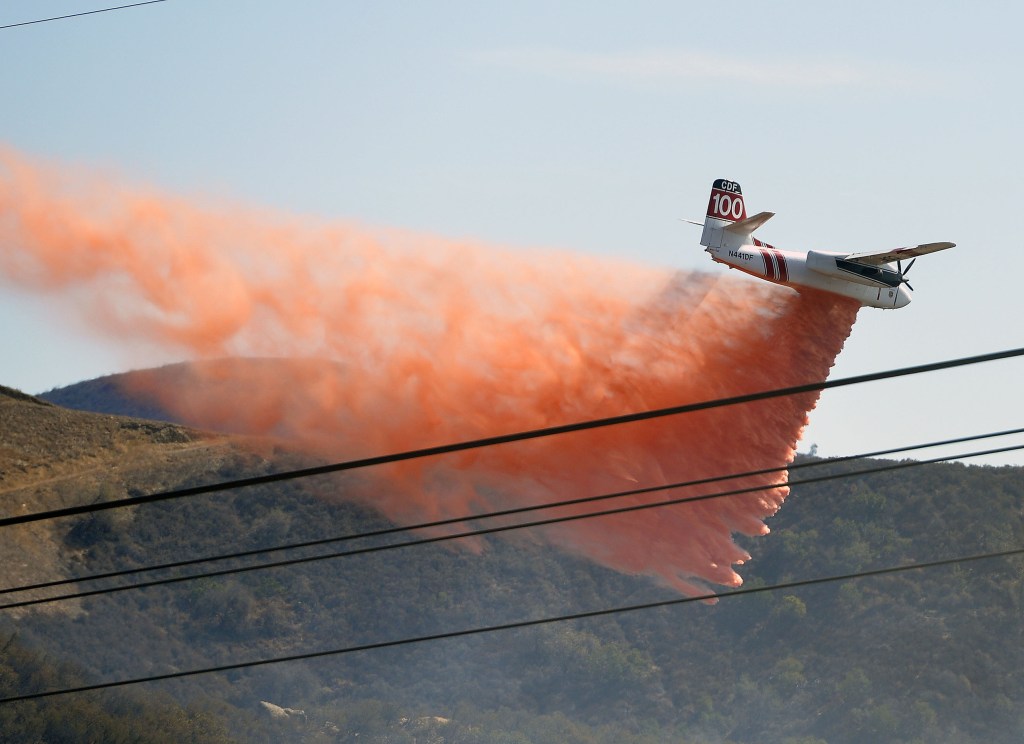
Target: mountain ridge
920, 656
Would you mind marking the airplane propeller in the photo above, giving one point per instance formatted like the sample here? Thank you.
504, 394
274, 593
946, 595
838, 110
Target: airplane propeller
903, 274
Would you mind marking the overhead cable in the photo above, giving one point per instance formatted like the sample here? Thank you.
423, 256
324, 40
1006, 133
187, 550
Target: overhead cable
502, 513
504, 528
789, 585
508, 438
83, 13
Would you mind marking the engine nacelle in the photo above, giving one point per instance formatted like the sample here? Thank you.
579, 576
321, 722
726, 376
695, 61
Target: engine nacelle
836, 265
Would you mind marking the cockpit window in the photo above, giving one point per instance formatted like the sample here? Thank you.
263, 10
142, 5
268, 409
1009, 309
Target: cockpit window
888, 277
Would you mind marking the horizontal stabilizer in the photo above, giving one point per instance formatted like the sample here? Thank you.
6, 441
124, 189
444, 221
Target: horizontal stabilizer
747, 226
878, 258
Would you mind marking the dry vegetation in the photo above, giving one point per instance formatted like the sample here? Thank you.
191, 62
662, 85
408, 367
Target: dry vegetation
99, 455
922, 656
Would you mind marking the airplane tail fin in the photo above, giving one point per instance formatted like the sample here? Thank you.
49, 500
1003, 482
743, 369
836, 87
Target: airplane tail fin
724, 208
726, 223
726, 203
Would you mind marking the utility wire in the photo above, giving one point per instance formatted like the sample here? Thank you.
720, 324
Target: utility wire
501, 513
503, 528
84, 13
507, 438
518, 625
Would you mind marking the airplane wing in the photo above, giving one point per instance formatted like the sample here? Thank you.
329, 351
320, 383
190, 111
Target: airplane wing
877, 258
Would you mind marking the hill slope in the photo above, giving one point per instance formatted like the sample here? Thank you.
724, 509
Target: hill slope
921, 656
51, 457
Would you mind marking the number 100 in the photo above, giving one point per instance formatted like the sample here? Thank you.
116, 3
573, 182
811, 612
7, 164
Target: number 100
726, 206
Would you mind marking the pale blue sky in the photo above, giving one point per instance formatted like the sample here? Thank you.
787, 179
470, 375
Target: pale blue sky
579, 125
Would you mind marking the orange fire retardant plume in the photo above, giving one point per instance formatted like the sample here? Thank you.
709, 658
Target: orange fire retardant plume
387, 341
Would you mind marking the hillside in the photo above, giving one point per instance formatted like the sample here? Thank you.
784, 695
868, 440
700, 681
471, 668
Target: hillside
929, 656
52, 457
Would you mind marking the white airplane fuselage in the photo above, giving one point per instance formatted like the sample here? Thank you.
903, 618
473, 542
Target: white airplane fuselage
791, 269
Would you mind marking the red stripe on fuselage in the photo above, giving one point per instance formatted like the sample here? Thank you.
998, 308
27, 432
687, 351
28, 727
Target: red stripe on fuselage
775, 267
771, 271
781, 262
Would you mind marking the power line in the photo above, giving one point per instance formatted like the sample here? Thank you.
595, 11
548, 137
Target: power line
519, 625
500, 513
84, 13
503, 528
508, 438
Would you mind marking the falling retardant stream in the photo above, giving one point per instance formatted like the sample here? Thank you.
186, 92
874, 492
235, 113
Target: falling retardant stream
387, 341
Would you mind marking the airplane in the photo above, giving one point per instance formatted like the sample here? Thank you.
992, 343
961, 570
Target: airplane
870, 278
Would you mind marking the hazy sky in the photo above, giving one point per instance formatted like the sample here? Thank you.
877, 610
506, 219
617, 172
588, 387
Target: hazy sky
578, 125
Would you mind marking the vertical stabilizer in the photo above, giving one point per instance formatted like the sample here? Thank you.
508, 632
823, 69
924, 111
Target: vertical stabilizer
724, 208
